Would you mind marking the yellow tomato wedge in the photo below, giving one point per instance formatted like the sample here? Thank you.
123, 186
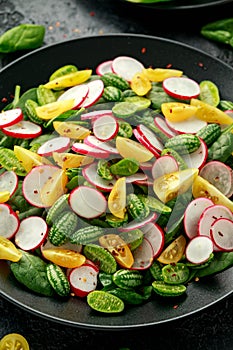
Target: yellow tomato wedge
4, 196
118, 248
54, 109
160, 74
64, 257
174, 251
117, 198
209, 113
54, 187
29, 159
169, 186
71, 130
70, 160
69, 80
8, 250
14, 341
177, 111
202, 188
140, 84
132, 149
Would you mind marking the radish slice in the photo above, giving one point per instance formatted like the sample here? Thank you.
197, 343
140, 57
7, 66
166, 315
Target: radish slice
135, 178
134, 225
104, 67
198, 158
90, 174
164, 165
192, 215
87, 202
230, 193
155, 235
198, 250
150, 137
95, 91
145, 143
103, 145
221, 233
219, 175
24, 130
189, 126
9, 221
34, 182
77, 93
146, 166
85, 149
105, 127
57, 144
126, 67
83, 279
10, 117
182, 88
95, 114
9, 181
31, 233
143, 256
162, 125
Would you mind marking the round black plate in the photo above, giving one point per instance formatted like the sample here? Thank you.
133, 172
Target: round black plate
88, 52
180, 4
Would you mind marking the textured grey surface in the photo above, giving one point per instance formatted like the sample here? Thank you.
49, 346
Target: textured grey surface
207, 330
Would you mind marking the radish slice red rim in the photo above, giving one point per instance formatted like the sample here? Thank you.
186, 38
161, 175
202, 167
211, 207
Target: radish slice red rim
105, 127
10, 117
87, 202
134, 225
90, 174
221, 233
182, 88
143, 141
9, 181
164, 165
106, 146
199, 249
95, 91
143, 256
57, 144
31, 233
77, 93
23, 129
83, 279
155, 235
95, 114
198, 158
189, 126
9, 221
126, 67
85, 149
163, 126
104, 67
150, 137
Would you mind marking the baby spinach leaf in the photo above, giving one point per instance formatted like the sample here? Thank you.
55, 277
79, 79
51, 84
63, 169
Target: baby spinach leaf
221, 31
221, 261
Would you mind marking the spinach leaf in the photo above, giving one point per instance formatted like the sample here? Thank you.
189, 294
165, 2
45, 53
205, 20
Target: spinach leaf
221, 31
221, 261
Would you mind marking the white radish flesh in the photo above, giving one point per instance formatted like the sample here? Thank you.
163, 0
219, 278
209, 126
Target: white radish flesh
104, 67
85, 149
155, 235
105, 128
10, 117
9, 181
221, 233
181, 87
83, 279
23, 129
90, 174
143, 256
126, 67
57, 144
164, 165
199, 249
95, 114
134, 225
198, 158
92, 141
145, 143
150, 137
9, 221
77, 93
189, 126
162, 125
95, 91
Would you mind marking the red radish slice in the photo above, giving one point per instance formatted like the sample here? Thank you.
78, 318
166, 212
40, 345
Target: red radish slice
9, 181
9, 221
105, 127
95, 114
83, 279
221, 233
146, 166
164, 165
134, 225
57, 144
162, 125
34, 182
77, 93
24, 130
135, 178
143, 256
126, 67
230, 193
181, 87
31, 233
85, 149
104, 67
90, 174
145, 143
10, 117
189, 126
155, 235
198, 250
92, 141
150, 137
95, 91
218, 174
193, 213
198, 158
87, 202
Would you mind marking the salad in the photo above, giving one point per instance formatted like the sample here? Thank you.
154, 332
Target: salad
116, 184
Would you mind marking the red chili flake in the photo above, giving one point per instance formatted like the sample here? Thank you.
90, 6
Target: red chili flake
143, 50
4, 100
175, 307
200, 64
92, 13
169, 65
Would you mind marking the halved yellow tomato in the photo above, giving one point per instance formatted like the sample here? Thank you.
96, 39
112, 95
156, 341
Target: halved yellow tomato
54, 109
72, 130
118, 248
4, 196
29, 159
64, 257
140, 84
54, 187
174, 252
8, 250
160, 74
117, 198
14, 341
177, 111
70, 160
69, 80
132, 149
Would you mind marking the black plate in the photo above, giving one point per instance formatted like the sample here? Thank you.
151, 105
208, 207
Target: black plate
88, 52
181, 4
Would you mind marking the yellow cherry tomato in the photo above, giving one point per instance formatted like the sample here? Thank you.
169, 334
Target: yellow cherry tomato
54, 187
71, 130
29, 159
64, 257
54, 109
117, 198
132, 149
4, 196
160, 74
14, 341
202, 188
69, 80
177, 111
140, 84
8, 250
70, 160
174, 252
118, 248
